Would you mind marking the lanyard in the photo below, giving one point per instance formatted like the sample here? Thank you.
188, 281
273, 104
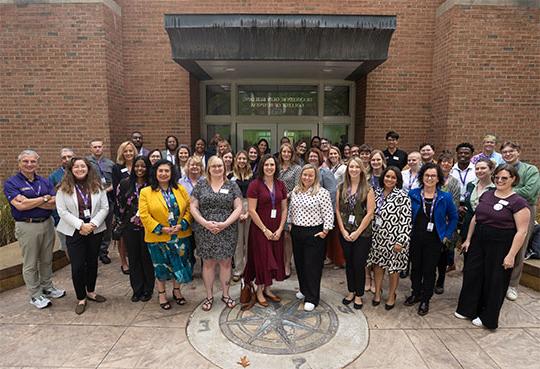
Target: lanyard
464, 178
32, 187
167, 197
351, 199
85, 197
374, 183
380, 203
432, 205
272, 195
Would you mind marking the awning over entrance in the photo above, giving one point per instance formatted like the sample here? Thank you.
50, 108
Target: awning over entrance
340, 46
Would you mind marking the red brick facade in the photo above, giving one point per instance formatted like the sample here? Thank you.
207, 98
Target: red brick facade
73, 71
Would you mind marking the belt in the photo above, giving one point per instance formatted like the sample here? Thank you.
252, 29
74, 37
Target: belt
34, 220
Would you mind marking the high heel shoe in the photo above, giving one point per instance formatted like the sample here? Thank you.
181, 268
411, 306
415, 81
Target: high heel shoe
390, 307
376, 303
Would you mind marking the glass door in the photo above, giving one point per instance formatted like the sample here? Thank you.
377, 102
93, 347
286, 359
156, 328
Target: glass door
297, 132
249, 134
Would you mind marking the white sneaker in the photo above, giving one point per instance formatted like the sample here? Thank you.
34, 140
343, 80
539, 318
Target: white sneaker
54, 293
512, 294
477, 322
308, 306
459, 316
299, 295
40, 302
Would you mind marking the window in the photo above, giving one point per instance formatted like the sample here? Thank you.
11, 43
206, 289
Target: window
218, 99
223, 130
336, 100
277, 100
337, 134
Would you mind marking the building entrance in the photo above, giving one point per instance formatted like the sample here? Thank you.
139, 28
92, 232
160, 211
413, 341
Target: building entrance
249, 134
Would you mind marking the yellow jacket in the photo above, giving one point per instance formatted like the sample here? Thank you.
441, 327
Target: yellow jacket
153, 211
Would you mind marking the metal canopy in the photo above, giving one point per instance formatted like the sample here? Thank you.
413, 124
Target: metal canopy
274, 37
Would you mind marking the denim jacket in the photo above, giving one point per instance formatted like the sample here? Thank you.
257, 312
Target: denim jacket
444, 214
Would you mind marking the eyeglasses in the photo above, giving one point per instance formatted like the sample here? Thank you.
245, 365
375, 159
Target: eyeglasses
430, 176
505, 152
502, 179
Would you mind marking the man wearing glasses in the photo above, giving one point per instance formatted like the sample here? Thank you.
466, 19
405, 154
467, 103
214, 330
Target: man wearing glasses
528, 188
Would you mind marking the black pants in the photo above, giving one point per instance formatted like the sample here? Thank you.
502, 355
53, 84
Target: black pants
356, 254
441, 266
141, 269
425, 253
485, 281
83, 254
309, 253
107, 233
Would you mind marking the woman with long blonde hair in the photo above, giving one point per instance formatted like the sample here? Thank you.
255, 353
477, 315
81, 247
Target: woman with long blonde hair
355, 206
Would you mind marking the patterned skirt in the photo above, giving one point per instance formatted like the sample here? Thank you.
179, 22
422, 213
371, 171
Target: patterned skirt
171, 259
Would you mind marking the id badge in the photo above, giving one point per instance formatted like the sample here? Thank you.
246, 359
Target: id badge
351, 219
86, 213
503, 202
273, 214
103, 180
137, 214
124, 170
378, 222
430, 226
224, 191
395, 158
171, 216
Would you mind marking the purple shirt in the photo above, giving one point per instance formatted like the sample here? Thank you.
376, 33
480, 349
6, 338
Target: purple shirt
20, 185
499, 213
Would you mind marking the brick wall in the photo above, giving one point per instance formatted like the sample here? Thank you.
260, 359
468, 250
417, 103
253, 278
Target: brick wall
53, 80
487, 77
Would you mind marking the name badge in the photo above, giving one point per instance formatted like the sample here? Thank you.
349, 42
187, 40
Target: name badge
273, 214
86, 213
395, 158
430, 226
351, 219
171, 216
378, 222
103, 180
503, 202
137, 214
498, 207
124, 170
224, 191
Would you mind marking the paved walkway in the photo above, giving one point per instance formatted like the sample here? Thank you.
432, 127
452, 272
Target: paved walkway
122, 334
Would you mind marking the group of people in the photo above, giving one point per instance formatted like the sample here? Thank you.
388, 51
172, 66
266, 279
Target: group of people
251, 213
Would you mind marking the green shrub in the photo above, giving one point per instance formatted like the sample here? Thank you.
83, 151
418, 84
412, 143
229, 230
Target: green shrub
7, 223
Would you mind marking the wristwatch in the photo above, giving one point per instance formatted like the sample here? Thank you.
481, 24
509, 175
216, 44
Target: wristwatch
45, 199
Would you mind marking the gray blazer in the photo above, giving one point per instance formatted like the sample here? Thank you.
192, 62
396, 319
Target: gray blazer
68, 210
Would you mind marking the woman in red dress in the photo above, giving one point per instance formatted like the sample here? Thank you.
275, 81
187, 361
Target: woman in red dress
267, 207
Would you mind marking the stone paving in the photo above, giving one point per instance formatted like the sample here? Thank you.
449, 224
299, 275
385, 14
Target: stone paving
122, 334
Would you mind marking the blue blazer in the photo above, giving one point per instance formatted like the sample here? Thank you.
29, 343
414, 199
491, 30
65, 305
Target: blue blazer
445, 212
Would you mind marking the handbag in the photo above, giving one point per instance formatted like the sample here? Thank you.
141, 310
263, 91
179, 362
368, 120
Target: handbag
247, 295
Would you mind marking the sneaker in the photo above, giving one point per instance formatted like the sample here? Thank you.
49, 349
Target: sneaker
512, 294
459, 316
299, 295
54, 292
308, 306
40, 302
477, 322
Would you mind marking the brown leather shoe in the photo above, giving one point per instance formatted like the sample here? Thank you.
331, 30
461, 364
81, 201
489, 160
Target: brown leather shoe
98, 298
263, 303
80, 308
274, 298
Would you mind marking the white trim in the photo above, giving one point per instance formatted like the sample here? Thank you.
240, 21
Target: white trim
111, 4
448, 4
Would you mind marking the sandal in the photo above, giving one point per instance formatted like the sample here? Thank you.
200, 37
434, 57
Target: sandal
227, 300
179, 300
207, 303
164, 305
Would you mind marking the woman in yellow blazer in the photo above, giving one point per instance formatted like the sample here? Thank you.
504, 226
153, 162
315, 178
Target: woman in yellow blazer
164, 212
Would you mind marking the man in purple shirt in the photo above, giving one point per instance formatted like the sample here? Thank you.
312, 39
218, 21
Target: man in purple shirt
32, 199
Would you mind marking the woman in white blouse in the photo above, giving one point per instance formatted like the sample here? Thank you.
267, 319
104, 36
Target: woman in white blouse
312, 217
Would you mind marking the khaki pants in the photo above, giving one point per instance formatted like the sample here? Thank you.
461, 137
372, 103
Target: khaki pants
240, 254
520, 257
37, 242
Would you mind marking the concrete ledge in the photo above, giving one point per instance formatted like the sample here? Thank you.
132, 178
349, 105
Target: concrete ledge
515, 3
531, 274
111, 4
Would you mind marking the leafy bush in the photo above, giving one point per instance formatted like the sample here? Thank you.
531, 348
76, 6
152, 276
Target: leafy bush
7, 223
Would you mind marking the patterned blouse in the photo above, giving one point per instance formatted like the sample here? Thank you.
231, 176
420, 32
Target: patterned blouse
308, 210
290, 176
